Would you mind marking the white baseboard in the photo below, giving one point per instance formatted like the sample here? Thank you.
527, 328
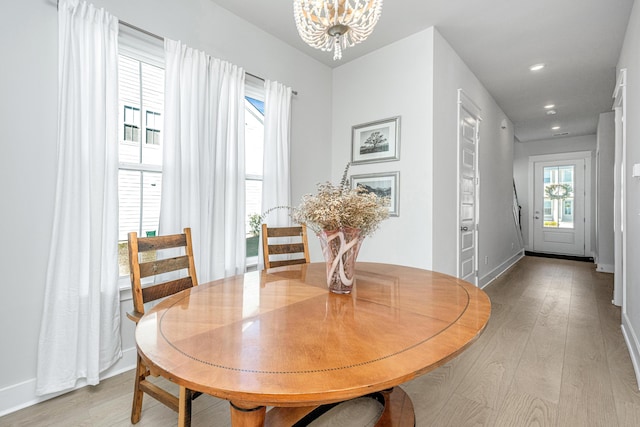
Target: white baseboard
496, 272
605, 268
633, 345
21, 395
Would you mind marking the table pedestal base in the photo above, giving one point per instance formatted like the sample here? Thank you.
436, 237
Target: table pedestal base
243, 416
398, 412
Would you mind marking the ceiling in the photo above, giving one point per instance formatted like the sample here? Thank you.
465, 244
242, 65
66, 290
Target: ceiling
578, 40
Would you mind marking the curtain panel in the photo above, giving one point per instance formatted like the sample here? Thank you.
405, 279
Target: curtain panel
203, 165
80, 330
276, 180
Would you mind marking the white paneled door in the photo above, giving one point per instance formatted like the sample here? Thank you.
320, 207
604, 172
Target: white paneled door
468, 134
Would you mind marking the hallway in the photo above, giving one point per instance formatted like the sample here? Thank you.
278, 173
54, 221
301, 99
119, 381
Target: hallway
552, 355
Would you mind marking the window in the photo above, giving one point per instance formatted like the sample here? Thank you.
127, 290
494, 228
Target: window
558, 196
548, 210
254, 148
131, 124
141, 96
153, 128
566, 174
568, 207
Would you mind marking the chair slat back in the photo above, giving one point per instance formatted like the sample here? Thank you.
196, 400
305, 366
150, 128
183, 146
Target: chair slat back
152, 293
154, 268
146, 244
143, 264
278, 241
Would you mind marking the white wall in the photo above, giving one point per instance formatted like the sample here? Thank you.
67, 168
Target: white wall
605, 157
551, 146
393, 81
28, 107
418, 79
498, 237
630, 59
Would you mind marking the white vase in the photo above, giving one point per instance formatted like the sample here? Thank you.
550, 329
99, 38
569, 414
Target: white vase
340, 249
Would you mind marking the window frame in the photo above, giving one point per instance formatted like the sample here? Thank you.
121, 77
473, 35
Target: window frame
140, 47
155, 129
130, 124
254, 88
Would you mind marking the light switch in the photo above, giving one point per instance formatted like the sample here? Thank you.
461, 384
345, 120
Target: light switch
636, 171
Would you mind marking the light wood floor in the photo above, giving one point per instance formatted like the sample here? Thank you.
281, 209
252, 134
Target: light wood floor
552, 355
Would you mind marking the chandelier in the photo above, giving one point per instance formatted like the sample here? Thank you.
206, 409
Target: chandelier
335, 24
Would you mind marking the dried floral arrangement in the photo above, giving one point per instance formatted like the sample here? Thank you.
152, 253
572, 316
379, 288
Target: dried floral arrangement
334, 207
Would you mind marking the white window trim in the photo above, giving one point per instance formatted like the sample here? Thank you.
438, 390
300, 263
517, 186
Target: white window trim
254, 88
142, 47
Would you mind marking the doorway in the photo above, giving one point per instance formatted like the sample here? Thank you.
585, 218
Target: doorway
468, 138
561, 203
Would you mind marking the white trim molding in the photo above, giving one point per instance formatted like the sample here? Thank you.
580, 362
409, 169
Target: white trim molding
22, 395
631, 338
488, 278
605, 268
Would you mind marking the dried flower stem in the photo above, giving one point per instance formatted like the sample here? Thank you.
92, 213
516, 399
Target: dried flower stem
336, 207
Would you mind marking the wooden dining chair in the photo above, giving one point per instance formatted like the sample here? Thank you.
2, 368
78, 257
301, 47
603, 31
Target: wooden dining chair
146, 262
280, 241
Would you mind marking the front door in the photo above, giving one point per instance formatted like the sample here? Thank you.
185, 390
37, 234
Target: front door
559, 207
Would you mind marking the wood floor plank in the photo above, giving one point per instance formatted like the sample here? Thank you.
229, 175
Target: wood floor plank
584, 336
628, 414
493, 372
523, 409
539, 372
586, 398
463, 412
431, 392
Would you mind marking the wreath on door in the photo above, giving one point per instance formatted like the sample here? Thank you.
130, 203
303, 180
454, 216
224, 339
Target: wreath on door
558, 191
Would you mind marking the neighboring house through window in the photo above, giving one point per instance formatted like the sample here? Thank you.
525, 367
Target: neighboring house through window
141, 106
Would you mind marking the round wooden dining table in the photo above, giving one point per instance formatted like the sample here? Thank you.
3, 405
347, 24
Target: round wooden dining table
281, 339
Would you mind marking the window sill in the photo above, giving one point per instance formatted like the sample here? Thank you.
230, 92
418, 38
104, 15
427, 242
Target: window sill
124, 286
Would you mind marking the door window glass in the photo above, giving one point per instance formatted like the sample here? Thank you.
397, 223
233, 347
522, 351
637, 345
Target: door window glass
558, 185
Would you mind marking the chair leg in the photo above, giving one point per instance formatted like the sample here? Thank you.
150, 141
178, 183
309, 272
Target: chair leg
136, 409
184, 407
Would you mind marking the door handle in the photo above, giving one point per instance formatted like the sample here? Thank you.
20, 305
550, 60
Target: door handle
536, 217
464, 228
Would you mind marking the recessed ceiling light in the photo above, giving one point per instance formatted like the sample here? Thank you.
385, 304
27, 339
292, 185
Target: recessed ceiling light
549, 106
536, 67
555, 128
551, 112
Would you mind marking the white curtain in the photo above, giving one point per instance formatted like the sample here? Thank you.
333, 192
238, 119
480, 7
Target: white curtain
203, 166
80, 331
276, 182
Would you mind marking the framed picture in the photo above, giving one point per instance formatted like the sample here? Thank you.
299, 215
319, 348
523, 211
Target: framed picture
385, 184
376, 141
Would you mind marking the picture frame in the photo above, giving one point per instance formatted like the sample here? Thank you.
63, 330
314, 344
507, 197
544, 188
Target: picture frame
377, 141
385, 184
